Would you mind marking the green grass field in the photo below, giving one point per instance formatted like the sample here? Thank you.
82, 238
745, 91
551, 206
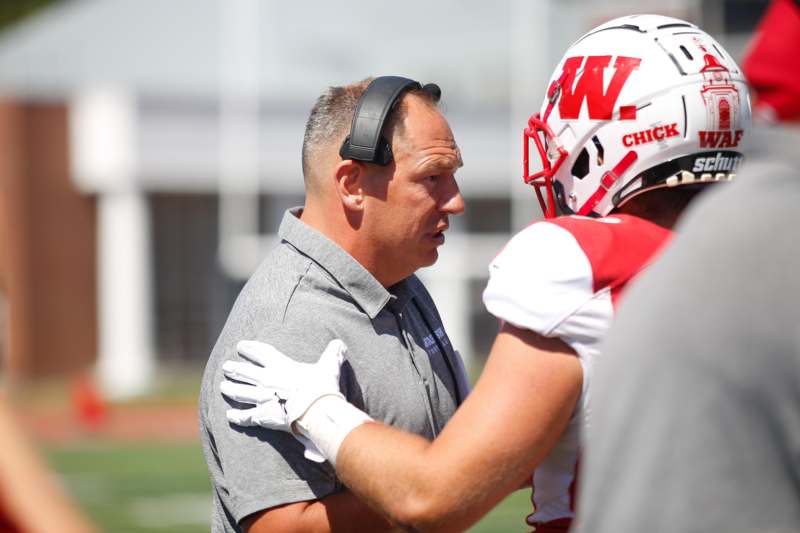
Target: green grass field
508, 517
127, 488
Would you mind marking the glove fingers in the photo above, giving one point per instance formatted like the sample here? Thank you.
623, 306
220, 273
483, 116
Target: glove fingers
262, 353
330, 362
244, 393
244, 371
241, 417
268, 415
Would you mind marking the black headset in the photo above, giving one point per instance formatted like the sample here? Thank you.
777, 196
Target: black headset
365, 142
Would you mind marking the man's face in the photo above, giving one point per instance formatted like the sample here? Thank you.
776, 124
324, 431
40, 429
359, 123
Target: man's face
409, 202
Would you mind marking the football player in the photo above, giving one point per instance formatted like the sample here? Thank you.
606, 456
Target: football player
640, 114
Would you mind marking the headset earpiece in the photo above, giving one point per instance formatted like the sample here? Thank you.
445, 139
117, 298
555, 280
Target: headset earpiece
365, 142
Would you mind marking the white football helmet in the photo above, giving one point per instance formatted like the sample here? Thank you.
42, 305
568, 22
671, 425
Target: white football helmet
638, 103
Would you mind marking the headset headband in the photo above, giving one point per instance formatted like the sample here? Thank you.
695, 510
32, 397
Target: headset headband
365, 142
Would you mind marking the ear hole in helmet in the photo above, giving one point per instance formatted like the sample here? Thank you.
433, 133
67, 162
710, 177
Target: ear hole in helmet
600, 151
581, 167
561, 199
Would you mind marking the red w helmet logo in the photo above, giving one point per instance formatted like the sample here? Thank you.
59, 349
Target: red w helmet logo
589, 87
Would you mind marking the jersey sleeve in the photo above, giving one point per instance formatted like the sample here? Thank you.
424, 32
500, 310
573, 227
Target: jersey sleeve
540, 279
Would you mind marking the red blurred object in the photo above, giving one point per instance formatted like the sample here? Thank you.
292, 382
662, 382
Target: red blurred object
89, 405
772, 63
6, 524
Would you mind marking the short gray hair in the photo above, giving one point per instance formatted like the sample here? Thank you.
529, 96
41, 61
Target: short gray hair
331, 117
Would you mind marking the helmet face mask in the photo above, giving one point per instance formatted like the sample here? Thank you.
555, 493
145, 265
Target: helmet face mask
552, 156
638, 103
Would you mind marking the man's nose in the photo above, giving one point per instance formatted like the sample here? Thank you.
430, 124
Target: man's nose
452, 202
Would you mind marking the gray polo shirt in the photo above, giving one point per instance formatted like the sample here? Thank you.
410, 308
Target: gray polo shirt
400, 368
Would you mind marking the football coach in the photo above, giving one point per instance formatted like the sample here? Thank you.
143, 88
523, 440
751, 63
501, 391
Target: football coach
379, 163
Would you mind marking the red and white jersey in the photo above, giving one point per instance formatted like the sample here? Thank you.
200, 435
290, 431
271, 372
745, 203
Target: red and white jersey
562, 278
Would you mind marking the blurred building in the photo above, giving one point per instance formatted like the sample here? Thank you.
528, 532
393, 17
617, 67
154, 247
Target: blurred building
148, 150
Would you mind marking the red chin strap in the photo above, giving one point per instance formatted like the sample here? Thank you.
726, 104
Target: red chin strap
544, 178
607, 181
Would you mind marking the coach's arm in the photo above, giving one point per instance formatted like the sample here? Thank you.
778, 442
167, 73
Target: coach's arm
507, 425
338, 513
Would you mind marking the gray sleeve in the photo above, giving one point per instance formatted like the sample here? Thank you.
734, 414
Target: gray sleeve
255, 468
696, 409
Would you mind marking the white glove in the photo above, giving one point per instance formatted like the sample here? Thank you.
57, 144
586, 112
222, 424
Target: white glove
281, 389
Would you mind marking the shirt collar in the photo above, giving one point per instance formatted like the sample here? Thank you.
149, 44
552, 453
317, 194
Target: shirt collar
367, 291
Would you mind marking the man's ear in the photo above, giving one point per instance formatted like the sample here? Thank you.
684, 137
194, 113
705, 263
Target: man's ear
350, 178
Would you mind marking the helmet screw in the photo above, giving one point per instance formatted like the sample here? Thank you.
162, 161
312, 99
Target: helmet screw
573, 200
